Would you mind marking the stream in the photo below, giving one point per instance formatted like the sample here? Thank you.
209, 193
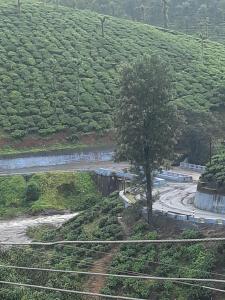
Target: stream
14, 231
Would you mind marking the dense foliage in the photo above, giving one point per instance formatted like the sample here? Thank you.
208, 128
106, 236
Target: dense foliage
50, 191
57, 71
147, 124
164, 261
190, 16
215, 171
98, 222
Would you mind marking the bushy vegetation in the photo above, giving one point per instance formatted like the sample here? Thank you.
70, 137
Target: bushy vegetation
215, 171
42, 192
190, 16
98, 222
194, 260
57, 71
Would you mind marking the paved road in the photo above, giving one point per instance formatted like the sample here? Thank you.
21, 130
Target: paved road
75, 166
178, 198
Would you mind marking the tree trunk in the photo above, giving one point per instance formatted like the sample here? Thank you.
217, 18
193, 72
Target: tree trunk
149, 197
102, 28
19, 6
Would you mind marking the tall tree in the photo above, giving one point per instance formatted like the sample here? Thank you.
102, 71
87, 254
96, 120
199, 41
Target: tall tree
146, 119
103, 19
19, 6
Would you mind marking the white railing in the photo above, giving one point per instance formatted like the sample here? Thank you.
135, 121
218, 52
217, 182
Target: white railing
193, 167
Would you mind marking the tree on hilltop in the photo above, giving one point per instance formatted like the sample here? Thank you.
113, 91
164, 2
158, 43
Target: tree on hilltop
103, 19
146, 120
165, 10
19, 6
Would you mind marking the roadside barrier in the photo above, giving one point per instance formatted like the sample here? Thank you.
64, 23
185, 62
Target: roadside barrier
193, 167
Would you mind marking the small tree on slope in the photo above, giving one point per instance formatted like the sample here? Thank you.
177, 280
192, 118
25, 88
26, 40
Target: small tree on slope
146, 120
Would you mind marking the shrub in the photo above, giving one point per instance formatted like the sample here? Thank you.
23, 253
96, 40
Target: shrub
32, 192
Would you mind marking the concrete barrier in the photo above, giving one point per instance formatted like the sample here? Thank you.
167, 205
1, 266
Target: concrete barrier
177, 177
174, 215
158, 182
193, 167
125, 200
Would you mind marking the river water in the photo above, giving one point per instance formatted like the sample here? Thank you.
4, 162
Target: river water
14, 231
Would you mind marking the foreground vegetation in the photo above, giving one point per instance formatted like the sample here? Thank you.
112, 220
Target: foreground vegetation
215, 172
46, 192
58, 71
195, 260
100, 221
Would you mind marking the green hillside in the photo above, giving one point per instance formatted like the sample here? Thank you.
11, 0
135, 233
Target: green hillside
57, 71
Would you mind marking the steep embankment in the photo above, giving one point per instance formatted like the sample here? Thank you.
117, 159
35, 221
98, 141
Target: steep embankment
57, 71
49, 193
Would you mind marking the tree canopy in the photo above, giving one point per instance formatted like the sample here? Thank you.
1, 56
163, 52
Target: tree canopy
147, 122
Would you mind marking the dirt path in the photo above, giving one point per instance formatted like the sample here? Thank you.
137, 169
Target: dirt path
96, 283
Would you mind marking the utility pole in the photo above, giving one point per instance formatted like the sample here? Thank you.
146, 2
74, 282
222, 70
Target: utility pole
210, 151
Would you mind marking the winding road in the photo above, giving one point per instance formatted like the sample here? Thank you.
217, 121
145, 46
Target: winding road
178, 198
174, 197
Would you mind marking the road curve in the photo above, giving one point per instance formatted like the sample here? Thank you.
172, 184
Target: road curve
179, 198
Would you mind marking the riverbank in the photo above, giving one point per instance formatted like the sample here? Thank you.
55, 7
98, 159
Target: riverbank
29, 195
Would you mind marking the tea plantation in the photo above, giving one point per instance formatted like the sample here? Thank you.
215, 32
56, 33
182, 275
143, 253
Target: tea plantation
58, 71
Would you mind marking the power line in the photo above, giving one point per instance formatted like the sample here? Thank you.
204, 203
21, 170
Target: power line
175, 241
139, 260
145, 277
67, 291
135, 259
200, 286
151, 262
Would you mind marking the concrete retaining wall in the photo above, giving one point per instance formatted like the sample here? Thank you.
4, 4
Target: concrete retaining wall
210, 202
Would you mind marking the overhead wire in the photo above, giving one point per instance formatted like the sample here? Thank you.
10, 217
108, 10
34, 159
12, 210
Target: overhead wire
68, 291
118, 275
78, 242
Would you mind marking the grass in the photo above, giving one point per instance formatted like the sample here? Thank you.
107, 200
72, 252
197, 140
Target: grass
9, 151
58, 72
57, 192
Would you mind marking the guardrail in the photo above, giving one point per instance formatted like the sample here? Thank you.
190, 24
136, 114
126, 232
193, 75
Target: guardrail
177, 177
175, 215
193, 167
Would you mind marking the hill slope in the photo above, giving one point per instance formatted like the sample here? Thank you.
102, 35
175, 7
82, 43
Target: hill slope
57, 71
